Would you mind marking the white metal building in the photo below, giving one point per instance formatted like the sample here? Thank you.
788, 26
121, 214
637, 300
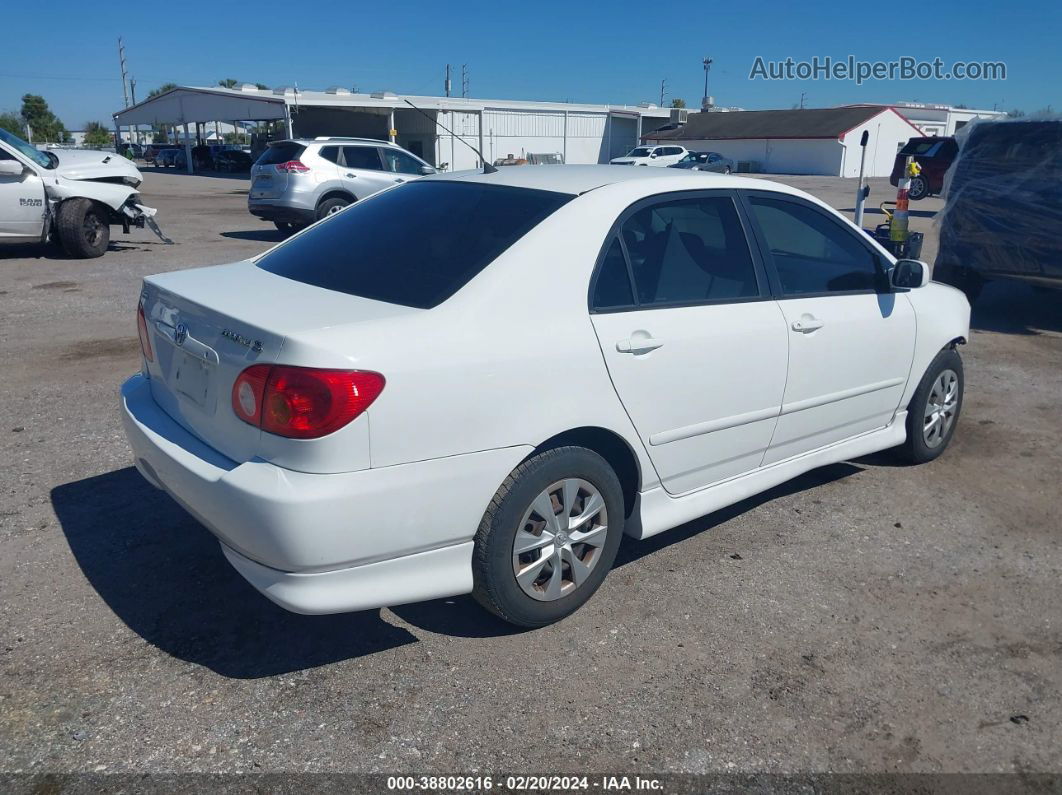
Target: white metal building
815, 141
935, 119
579, 133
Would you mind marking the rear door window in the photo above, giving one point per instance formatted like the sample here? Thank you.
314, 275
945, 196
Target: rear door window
690, 251
415, 245
367, 157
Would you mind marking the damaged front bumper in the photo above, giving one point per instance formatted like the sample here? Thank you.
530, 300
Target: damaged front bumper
135, 214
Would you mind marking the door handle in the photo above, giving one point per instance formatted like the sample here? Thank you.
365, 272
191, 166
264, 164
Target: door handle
399, 179
638, 345
351, 175
807, 324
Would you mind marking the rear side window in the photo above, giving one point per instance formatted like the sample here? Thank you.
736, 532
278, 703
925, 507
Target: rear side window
689, 251
811, 252
415, 245
281, 153
367, 157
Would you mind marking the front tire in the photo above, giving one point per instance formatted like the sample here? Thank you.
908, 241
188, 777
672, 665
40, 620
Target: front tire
83, 227
549, 537
933, 412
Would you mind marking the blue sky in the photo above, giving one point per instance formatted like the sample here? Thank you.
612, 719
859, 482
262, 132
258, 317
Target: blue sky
581, 52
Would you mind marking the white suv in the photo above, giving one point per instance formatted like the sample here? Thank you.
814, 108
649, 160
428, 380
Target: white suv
651, 156
297, 182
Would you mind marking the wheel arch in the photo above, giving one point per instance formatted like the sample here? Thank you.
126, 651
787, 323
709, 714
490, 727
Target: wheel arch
610, 446
336, 193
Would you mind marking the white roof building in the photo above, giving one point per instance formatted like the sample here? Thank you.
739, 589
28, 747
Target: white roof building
580, 133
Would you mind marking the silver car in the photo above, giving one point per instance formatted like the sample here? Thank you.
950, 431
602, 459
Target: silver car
706, 161
297, 182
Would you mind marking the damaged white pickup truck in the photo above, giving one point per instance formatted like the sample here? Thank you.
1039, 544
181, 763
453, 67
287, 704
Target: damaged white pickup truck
70, 196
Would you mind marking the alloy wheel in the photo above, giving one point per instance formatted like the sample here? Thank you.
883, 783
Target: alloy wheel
560, 539
940, 408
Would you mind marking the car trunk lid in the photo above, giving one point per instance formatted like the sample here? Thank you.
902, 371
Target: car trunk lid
208, 325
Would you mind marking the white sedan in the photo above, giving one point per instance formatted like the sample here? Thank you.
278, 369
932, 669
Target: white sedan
478, 383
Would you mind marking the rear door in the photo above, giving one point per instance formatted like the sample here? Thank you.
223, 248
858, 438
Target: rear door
851, 339
694, 343
362, 168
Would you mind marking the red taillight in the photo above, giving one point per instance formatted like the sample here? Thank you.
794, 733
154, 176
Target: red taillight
142, 331
302, 402
292, 167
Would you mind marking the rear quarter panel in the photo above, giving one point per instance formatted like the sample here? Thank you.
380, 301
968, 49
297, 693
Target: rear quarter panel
510, 360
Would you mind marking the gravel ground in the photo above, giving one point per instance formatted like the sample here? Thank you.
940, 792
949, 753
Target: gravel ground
864, 617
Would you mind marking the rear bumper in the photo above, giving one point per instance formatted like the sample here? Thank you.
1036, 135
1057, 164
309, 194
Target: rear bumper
275, 211
324, 543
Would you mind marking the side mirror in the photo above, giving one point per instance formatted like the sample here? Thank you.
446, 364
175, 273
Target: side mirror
11, 168
653, 154
426, 170
909, 274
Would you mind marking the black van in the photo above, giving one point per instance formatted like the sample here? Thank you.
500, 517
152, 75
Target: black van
1003, 213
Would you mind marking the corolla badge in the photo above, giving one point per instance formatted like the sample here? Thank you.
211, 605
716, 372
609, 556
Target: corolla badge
180, 334
254, 345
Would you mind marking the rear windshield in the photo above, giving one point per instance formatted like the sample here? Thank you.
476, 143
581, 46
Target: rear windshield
415, 245
280, 153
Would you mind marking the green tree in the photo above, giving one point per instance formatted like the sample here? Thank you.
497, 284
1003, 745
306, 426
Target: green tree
228, 82
1016, 113
12, 122
261, 86
44, 125
97, 135
678, 102
161, 89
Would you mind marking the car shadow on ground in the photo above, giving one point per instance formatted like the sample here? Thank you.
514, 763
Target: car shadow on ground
1014, 308
259, 235
463, 617
54, 252
164, 575
878, 211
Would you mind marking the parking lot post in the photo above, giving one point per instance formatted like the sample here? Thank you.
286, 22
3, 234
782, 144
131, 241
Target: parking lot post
862, 191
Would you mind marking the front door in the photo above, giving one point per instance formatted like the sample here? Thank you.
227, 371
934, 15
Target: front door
851, 339
694, 344
21, 203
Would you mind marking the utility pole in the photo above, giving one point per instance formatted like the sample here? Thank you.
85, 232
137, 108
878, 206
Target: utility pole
803, 97
464, 80
663, 86
121, 62
705, 102
132, 95
447, 84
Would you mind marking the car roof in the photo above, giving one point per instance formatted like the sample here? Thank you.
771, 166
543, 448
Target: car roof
580, 179
337, 139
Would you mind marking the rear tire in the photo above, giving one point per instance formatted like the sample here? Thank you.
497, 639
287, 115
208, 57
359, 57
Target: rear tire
918, 189
933, 413
331, 207
530, 569
84, 229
